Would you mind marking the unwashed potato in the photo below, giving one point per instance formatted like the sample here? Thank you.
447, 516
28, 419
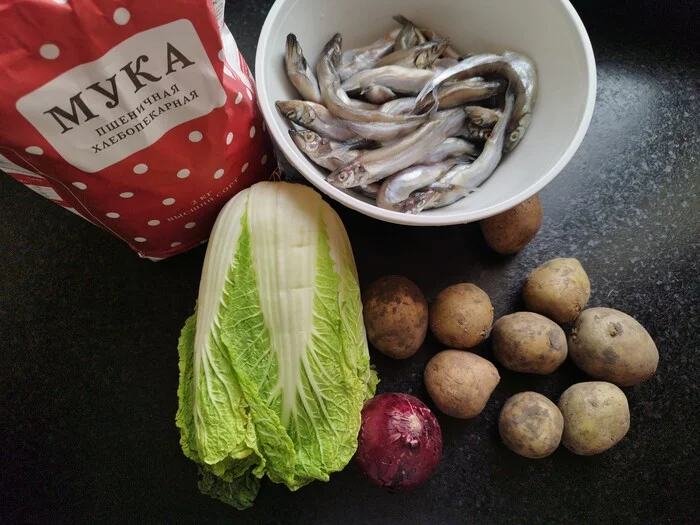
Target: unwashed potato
509, 232
559, 289
530, 425
461, 316
396, 316
460, 383
528, 342
596, 417
610, 345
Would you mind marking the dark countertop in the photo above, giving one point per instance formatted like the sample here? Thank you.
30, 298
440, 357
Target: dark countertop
89, 331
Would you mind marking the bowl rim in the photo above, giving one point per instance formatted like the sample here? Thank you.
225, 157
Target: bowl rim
304, 166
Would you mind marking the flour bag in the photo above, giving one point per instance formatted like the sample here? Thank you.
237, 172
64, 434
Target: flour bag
137, 115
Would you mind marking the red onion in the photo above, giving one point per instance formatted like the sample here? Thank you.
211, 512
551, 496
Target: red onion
400, 441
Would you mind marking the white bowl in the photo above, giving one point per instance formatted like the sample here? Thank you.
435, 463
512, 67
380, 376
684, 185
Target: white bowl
548, 31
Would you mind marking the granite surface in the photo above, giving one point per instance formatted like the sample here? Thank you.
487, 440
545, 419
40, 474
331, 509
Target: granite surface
89, 375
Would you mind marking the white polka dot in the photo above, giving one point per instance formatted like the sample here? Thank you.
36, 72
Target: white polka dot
34, 150
60, 1
172, 245
221, 55
80, 185
183, 173
168, 201
229, 138
219, 173
140, 169
49, 51
121, 16
263, 161
195, 136
154, 222
252, 132
238, 99
244, 168
112, 215
140, 239
190, 225
126, 195
250, 95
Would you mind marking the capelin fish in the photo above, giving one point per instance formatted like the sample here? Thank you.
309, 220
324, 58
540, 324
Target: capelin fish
428, 34
467, 177
370, 191
441, 64
445, 63
451, 147
299, 72
407, 38
420, 56
380, 131
480, 122
483, 117
354, 103
462, 92
334, 97
316, 118
397, 78
354, 60
400, 106
398, 187
518, 70
378, 94
448, 193
326, 153
379, 163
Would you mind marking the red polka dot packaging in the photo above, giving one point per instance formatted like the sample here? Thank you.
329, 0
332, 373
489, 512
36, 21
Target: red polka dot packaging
139, 116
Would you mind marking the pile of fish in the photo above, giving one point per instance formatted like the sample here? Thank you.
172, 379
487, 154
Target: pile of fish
408, 120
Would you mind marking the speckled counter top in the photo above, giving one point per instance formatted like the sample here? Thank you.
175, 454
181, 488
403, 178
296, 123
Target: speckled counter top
89, 331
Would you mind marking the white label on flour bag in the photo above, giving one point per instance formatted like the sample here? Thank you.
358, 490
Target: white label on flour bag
99, 113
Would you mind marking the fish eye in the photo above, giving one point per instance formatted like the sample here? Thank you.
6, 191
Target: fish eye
514, 136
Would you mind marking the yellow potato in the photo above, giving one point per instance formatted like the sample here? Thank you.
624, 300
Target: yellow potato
396, 316
610, 345
461, 316
528, 342
509, 232
530, 425
460, 383
559, 289
596, 417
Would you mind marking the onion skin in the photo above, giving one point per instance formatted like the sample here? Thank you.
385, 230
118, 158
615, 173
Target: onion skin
400, 441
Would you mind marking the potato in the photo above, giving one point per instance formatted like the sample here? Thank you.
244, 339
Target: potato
460, 383
528, 342
559, 289
596, 417
509, 232
461, 316
396, 316
610, 345
530, 425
